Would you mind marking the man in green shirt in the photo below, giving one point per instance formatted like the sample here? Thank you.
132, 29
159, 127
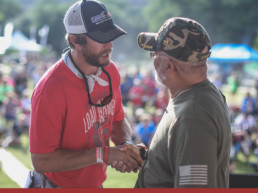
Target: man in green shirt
5, 88
191, 145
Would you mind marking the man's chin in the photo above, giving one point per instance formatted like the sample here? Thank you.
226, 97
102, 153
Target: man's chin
103, 64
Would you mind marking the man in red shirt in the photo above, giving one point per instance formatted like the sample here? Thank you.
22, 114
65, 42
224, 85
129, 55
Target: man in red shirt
77, 108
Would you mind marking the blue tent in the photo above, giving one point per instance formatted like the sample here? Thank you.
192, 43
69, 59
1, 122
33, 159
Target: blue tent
254, 55
233, 53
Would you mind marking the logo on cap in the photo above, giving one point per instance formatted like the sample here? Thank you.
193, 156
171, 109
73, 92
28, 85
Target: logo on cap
100, 18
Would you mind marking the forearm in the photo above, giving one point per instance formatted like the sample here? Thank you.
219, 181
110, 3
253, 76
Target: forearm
63, 160
121, 132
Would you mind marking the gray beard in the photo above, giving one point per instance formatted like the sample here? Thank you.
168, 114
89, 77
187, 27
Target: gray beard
159, 76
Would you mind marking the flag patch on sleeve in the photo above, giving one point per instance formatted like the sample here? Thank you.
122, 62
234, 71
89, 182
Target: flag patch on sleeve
193, 175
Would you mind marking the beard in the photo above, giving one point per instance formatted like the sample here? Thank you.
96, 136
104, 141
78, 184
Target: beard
160, 76
94, 59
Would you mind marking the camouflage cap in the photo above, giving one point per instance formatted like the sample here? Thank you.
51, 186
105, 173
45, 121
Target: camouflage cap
181, 38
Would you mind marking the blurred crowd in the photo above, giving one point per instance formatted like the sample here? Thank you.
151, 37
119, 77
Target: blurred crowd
17, 80
244, 119
144, 102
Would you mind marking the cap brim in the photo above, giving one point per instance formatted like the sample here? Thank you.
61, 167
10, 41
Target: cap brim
148, 41
105, 37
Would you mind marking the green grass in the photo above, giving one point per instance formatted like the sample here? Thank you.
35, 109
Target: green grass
114, 179
117, 179
242, 167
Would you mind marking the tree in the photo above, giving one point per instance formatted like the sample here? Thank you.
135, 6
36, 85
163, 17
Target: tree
51, 13
45, 12
9, 9
128, 15
225, 20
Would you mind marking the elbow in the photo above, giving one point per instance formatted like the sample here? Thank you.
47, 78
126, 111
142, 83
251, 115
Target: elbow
39, 165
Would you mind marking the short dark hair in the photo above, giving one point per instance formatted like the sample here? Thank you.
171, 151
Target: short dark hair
80, 39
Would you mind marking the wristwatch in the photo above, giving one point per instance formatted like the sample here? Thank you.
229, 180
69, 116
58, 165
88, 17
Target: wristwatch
142, 148
143, 152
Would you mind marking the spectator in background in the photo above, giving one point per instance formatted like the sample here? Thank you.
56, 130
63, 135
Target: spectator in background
149, 87
21, 82
244, 125
162, 98
145, 129
233, 84
10, 109
248, 104
38, 72
20, 126
25, 100
136, 94
126, 85
5, 89
157, 116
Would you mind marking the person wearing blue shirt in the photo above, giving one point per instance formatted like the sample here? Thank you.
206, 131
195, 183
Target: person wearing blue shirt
145, 129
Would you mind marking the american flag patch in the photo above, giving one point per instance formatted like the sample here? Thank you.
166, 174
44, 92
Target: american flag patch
193, 175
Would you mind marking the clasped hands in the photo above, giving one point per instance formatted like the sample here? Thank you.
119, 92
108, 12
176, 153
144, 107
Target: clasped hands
125, 158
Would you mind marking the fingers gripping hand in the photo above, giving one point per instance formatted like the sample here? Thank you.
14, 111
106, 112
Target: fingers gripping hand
124, 159
119, 166
136, 150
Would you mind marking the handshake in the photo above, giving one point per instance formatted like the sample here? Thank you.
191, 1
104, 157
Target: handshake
126, 157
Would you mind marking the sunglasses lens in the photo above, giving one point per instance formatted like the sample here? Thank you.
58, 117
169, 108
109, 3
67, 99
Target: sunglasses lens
151, 54
106, 100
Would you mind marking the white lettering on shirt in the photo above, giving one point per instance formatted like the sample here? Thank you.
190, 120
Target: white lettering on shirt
103, 113
89, 119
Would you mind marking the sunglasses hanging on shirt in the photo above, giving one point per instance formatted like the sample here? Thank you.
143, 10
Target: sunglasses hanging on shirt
104, 101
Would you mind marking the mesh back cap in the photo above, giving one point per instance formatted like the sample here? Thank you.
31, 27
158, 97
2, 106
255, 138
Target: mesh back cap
92, 18
73, 20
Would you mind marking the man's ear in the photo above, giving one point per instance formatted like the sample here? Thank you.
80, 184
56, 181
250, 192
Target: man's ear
73, 39
171, 65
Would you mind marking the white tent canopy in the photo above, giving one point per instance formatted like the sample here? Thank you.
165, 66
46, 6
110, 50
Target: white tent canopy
22, 43
17, 40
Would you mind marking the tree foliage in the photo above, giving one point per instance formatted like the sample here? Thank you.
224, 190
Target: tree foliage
128, 16
227, 21
45, 12
9, 9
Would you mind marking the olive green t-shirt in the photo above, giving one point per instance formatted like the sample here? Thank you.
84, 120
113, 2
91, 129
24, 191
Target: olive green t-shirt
191, 145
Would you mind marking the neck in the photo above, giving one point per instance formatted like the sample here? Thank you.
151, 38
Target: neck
80, 63
176, 92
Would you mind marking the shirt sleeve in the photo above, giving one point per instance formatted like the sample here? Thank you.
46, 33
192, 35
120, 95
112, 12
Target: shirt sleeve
47, 117
193, 150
